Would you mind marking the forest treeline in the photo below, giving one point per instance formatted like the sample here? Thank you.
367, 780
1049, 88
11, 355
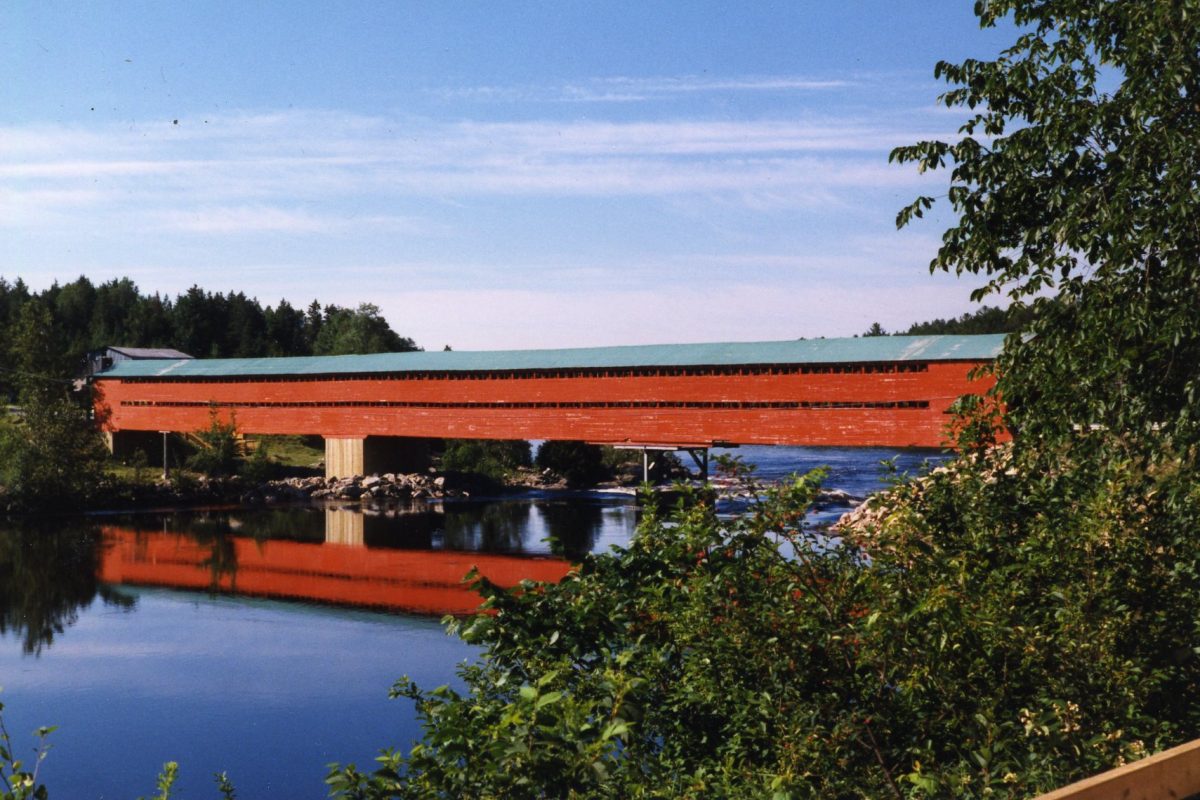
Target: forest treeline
986, 319
84, 316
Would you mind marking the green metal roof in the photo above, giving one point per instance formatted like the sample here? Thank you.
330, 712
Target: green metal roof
804, 351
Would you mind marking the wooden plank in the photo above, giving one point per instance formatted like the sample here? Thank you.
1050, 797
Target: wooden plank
1170, 775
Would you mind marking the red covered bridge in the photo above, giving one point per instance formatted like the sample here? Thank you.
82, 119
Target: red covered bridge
373, 410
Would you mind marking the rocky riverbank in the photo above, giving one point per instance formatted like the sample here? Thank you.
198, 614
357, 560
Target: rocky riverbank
389, 488
235, 489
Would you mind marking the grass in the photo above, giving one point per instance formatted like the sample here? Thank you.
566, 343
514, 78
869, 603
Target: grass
290, 454
305, 452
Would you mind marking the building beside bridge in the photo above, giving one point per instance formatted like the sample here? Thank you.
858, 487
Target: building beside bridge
107, 357
377, 412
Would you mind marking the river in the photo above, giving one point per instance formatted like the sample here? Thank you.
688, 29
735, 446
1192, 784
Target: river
263, 642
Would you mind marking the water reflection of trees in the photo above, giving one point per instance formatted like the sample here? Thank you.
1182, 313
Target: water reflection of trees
412, 529
491, 527
214, 530
572, 527
292, 524
47, 574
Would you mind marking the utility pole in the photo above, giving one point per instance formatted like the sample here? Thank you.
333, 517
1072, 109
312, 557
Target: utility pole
166, 463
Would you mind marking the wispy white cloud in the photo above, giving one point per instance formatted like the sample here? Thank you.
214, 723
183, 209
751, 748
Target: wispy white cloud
508, 233
630, 89
38, 206
274, 161
247, 219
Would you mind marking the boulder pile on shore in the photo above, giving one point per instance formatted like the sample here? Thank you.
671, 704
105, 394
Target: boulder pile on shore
389, 486
386, 489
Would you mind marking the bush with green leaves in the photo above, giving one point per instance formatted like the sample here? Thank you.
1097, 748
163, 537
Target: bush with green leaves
258, 466
221, 452
217, 452
579, 463
492, 458
19, 778
994, 633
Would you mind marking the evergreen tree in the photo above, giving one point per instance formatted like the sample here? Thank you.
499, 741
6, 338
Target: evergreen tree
285, 331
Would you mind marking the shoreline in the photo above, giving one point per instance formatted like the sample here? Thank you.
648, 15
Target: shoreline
373, 492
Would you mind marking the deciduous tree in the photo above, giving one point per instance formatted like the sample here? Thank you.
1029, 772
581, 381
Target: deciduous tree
1074, 182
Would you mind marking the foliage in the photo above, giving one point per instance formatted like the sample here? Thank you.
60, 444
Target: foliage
166, 781
138, 463
17, 781
1074, 185
579, 463
50, 453
492, 458
217, 454
608, 682
362, 330
221, 451
991, 634
986, 319
290, 454
77, 317
625, 466
258, 466
1040, 624
38, 372
51, 457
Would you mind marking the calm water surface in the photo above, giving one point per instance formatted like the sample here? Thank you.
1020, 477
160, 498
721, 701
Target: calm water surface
263, 643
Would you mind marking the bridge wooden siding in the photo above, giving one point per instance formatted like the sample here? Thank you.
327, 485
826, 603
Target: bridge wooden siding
859, 392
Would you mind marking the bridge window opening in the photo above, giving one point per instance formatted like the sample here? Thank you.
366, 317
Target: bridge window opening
595, 373
651, 404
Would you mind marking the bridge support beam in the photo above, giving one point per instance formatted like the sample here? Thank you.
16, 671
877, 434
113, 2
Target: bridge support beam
369, 455
699, 454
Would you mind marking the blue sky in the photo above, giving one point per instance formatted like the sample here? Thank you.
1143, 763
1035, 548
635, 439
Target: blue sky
490, 175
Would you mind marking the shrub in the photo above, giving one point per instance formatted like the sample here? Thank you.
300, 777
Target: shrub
491, 458
579, 463
996, 632
217, 452
258, 467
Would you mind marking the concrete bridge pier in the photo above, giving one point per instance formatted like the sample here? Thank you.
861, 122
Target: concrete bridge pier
367, 455
344, 527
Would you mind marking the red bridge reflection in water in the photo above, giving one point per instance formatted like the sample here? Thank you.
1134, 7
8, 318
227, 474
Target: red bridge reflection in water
339, 571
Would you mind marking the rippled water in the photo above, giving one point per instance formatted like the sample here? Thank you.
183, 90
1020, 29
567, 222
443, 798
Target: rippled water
263, 643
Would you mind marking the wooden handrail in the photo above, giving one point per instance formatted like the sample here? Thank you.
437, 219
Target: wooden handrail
1170, 775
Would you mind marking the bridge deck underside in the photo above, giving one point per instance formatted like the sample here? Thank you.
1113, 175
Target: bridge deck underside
893, 405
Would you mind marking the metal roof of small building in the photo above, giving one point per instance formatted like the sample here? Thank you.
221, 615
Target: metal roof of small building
866, 349
149, 352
